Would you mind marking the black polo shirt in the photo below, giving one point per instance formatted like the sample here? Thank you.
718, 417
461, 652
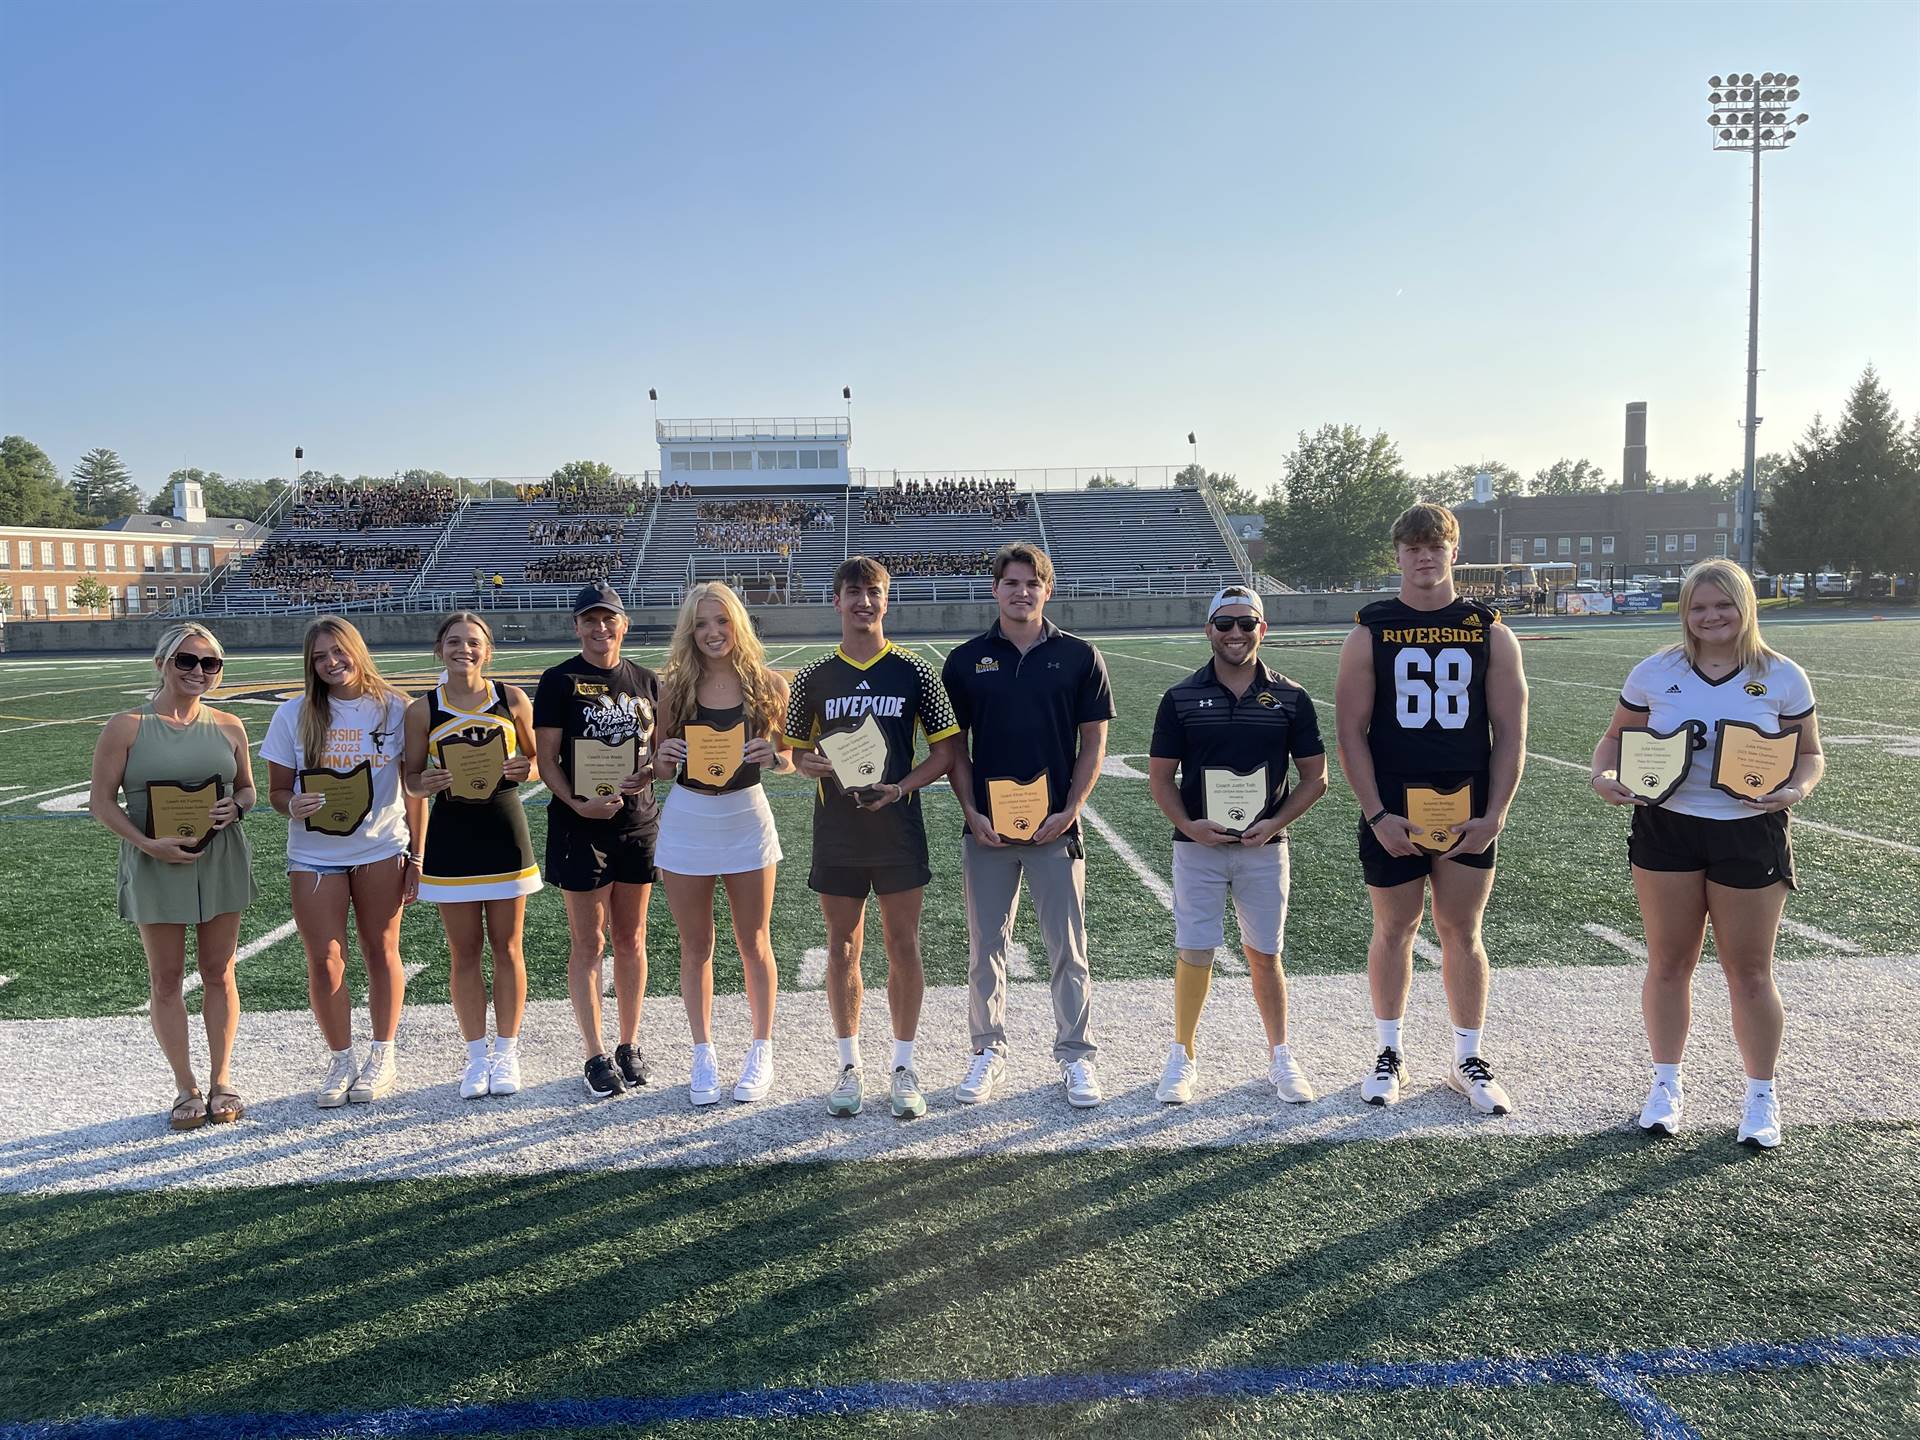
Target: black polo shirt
1202, 724
1022, 713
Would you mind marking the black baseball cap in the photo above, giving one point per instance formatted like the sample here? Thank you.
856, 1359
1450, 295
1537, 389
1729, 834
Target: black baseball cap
598, 596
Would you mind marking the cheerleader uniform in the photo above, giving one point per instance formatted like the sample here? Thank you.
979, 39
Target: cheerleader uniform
476, 850
718, 829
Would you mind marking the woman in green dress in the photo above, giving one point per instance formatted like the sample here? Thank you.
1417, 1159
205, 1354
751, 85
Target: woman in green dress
169, 883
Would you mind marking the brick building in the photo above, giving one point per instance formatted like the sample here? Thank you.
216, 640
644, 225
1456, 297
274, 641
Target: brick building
146, 561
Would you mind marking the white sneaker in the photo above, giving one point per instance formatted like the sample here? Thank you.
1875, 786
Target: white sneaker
1176, 1081
982, 1075
503, 1073
703, 1085
474, 1084
1382, 1087
377, 1077
1473, 1078
1760, 1126
756, 1073
1083, 1086
340, 1077
1290, 1081
1662, 1110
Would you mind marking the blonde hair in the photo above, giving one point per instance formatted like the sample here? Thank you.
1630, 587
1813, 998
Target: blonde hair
1748, 648
463, 617
319, 707
1426, 523
680, 677
173, 638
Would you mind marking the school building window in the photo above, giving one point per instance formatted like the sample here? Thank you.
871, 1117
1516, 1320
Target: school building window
1586, 544
1720, 546
1673, 544
66, 554
1653, 547
1540, 548
1565, 547
1606, 544
87, 554
1693, 543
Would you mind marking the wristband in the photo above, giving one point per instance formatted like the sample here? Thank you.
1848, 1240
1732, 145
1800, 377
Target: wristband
1373, 820
413, 860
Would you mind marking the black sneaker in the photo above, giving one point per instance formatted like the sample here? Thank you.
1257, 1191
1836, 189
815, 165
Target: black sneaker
634, 1068
603, 1081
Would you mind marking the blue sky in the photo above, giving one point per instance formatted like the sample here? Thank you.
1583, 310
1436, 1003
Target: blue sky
468, 236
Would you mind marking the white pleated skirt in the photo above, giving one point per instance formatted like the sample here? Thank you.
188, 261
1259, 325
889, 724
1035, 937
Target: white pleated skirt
703, 834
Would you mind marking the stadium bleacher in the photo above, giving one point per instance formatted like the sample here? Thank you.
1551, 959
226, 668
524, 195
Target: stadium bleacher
1106, 537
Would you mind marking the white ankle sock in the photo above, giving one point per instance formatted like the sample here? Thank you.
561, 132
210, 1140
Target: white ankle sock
849, 1050
377, 1050
476, 1049
1757, 1088
1281, 1052
346, 1054
1387, 1032
506, 1044
703, 1047
1668, 1075
903, 1054
1465, 1043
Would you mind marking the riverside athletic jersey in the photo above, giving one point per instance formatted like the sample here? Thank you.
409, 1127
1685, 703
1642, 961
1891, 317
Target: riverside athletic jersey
904, 696
1669, 692
1430, 688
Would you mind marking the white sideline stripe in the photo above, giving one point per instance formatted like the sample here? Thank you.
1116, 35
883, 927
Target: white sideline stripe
12, 787
1426, 949
1614, 938
527, 797
1156, 885
1553, 1021
1819, 937
409, 971
38, 794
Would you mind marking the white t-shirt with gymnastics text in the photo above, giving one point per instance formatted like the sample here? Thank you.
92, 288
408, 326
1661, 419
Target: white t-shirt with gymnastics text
357, 730
1671, 693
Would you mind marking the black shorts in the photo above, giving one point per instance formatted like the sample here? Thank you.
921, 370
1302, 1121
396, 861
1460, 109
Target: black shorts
590, 855
854, 881
1750, 853
1384, 871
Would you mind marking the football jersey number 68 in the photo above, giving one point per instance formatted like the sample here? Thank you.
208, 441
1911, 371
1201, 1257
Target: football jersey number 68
1445, 698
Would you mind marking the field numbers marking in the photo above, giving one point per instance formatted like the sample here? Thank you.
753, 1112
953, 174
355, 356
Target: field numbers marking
1614, 938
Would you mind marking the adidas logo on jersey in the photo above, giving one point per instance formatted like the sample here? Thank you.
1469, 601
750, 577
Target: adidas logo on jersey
863, 686
1673, 689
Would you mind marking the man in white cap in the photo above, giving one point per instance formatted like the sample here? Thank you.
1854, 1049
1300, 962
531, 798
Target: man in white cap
1230, 730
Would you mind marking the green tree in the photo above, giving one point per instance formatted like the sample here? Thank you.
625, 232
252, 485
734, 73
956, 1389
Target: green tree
102, 487
1570, 477
1111, 482
1328, 519
584, 472
1454, 485
1795, 533
1874, 470
235, 499
1238, 499
31, 491
91, 593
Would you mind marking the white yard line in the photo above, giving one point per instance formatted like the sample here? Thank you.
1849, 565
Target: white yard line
1614, 938
5, 980
1155, 883
1819, 937
813, 968
1426, 949
528, 796
775, 660
43, 724
253, 947
66, 789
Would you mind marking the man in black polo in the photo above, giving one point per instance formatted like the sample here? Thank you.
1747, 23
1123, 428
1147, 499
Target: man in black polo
1230, 729
1033, 703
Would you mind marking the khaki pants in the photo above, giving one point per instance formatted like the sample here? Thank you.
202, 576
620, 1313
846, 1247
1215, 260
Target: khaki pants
1056, 879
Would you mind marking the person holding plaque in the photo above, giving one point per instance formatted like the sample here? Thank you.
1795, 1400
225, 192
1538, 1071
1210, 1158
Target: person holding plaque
1033, 702
1432, 723
851, 719
1230, 731
354, 839
470, 745
594, 719
721, 709
172, 780
1722, 738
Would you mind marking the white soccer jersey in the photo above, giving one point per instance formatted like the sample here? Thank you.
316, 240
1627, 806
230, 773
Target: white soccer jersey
1671, 693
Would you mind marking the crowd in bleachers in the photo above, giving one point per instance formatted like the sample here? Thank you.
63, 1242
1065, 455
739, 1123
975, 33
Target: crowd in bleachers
324, 589
747, 538
750, 527
575, 532
967, 496
288, 559
925, 563
574, 565
678, 490
618, 496
330, 506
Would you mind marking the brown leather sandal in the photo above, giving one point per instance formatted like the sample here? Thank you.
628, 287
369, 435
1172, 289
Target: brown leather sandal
189, 1111
224, 1115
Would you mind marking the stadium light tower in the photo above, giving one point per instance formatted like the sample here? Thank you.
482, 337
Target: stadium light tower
1750, 115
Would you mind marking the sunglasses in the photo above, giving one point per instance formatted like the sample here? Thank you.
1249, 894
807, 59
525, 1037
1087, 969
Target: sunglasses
209, 664
1247, 623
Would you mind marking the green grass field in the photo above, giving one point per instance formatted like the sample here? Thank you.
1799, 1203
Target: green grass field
731, 1281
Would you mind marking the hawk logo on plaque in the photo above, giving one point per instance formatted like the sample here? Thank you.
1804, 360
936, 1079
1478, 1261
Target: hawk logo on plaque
476, 760
349, 798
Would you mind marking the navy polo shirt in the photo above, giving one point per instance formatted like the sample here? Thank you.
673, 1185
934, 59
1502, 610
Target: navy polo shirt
1202, 724
1022, 713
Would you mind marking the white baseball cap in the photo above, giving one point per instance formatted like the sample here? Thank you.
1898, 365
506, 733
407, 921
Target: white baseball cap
1236, 595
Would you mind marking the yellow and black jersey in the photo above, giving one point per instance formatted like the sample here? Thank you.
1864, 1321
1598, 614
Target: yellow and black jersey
906, 699
1430, 687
